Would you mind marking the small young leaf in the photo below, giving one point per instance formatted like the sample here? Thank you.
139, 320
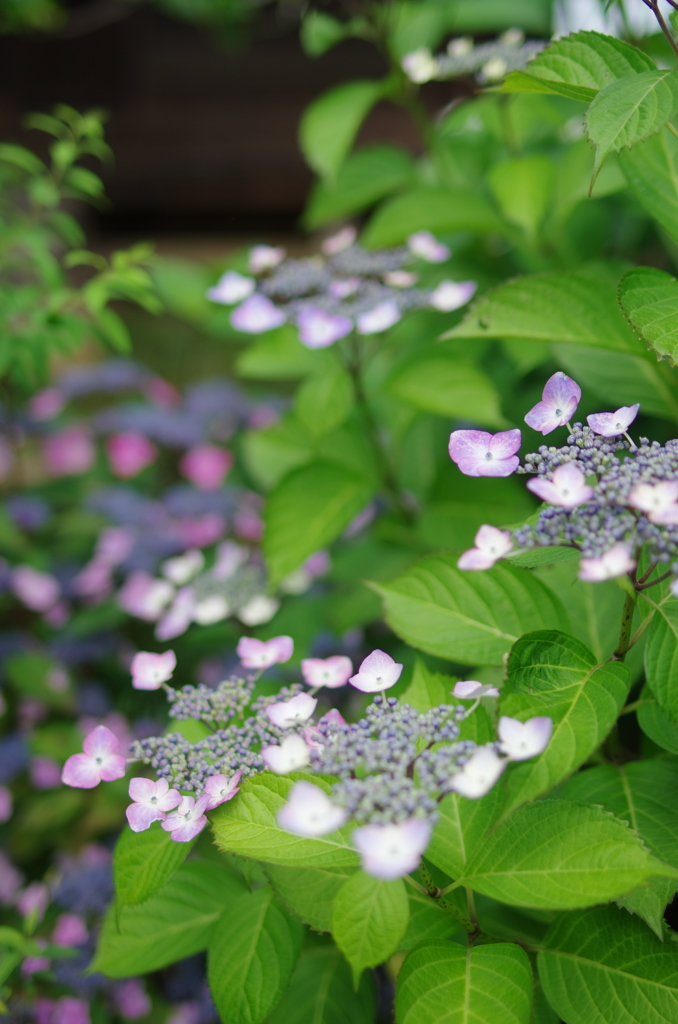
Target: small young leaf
524, 187
649, 298
329, 126
369, 918
143, 862
320, 32
365, 177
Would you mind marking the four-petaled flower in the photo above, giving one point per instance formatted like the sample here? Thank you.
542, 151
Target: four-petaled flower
150, 671
265, 257
99, 762
231, 287
478, 453
292, 712
567, 489
520, 740
330, 672
383, 316
658, 501
262, 654
152, 800
612, 424
188, 820
378, 672
220, 788
450, 295
319, 329
479, 774
470, 689
391, 851
616, 561
256, 315
427, 247
292, 755
309, 812
560, 398
491, 544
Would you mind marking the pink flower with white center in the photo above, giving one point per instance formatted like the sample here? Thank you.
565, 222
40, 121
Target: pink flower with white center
521, 740
478, 453
45, 772
206, 466
451, 295
343, 287
132, 999
343, 239
290, 756
427, 247
6, 804
150, 671
69, 1010
560, 398
231, 287
33, 901
99, 762
265, 257
115, 543
188, 820
379, 319
658, 501
616, 561
37, 590
568, 488
129, 453
491, 545
262, 654
378, 672
401, 278
292, 712
256, 315
479, 774
330, 672
144, 596
152, 800
47, 404
309, 812
319, 329
184, 567
471, 689
69, 930
391, 851
71, 452
179, 617
220, 789
612, 424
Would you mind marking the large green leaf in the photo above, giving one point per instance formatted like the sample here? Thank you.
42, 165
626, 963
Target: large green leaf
554, 674
649, 298
252, 954
308, 892
307, 511
436, 209
578, 66
661, 655
369, 918
578, 307
175, 923
445, 385
248, 826
443, 983
558, 855
604, 967
321, 991
427, 921
427, 689
330, 124
656, 723
279, 355
523, 188
143, 862
324, 402
468, 617
365, 177
651, 169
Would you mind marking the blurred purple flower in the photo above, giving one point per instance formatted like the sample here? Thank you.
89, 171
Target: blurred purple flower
231, 287
391, 851
36, 590
319, 329
261, 654
144, 596
379, 319
70, 930
99, 762
612, 424
330, 672
129, 453
560, 398
71, 452
256, 315
451, 295
33, 900
46, 404
45, 772
426, 246
206, 466
568, 488
344, 238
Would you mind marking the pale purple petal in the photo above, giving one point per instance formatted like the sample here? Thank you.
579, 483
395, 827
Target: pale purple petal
475, 559
179, 616
612, 424
450, 295
150, 671
141, 816
567, 489
290, 756
261, 654
330, 672
332, 717
292, 712
101, 742
310, 812
491, 545
391, 851
70, 930
141, 789
231, 287
383, 316
336, 243
427, 247
256, 315
319, 329
478, 453
560, 399
469, 689
505, 443
113, 767
81, 771
378, 672
521, 740
659, 501
479, 774
220, 788
265, 257
189, 830
614, 562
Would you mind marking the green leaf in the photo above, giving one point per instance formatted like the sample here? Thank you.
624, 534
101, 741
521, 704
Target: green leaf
320, 32
369, 918
427, 922
441, 981
649, 903
661, 656
307, 511
427, 689
554, 674
437, 209
365, 177
248, 826
321, 991
324, 402
651, 169
143, 862
175, 923
308, 892
557, 855
447, 386
462, 827
629, 110
329, 126
252, 954
604, 966
649, 298
656, 723
270, 454
279, 355
471, 618
523, 188
578, 307
22, 158
578, 66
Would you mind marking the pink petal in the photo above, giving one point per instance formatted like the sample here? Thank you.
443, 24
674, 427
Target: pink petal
189, 831
113, 767
81, 771
542, 417
142, 816
544, 489
142, 790
281, 648
497, 467
100, 742
469, 444
505, 443
475, 559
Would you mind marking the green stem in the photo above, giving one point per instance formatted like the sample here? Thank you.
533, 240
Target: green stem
436, 894
625, 631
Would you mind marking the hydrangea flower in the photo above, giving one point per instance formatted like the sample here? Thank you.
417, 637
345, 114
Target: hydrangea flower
132, 999
479, 774
521, 740
568, 488
343, 239
478, 453
491, 544
616, 561
206, 466
427, 247
319, 329
144, 596
152, 800
330, 672
265, 257
262, 654
560, 398
377, 672
231, 287
451, 295
401, 278
211, 609
470, 689
391, 851
292, 712
184, 567
420, 66
37, 590
309, 812
70, 930
658, 501
71, 452
150, 671
99, 762
220, 788
179, 616
256, 315
129, 453
34, 900
290, 756
187, 820
612, 424
378, 319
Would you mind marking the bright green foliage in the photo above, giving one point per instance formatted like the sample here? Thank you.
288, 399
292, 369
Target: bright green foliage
320, 32
309, 892
651, 169
324, 402
252, 954
656, 723
143, 862
555, 675
558, 855
604, 967
321, 991
277, 355
436, 209
447, 386
461, 829
649, 298
365, 177
442, 983
427, 921
427, 689
331, 123
369, 918
523, 188
174, 923
661, 656
472, 618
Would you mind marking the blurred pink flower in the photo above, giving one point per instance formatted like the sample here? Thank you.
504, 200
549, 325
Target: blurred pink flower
58, 615
491, 544
6, 803
479, 774
330, 672
99, 762
33, 900
231, 287
129, 453
152, 800
45, 772
256, 315
294, 711
144, 596
114, 545
290, 755
450, 295
319, 329
71, 452
69, 1010
10, 880
265, 257
478, 453
94, 581
150, 671
262, 654
206, 466
379, 319
39, 591
522, 740
161, 393
132, 999
200, 531
46, 404
427, 247
614, 562
309, 812
471, 689
178, 617
33, 964
69, 930
391, 851
343, 239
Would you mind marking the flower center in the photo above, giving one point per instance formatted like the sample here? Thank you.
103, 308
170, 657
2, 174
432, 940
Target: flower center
99, 760
488, 455
559, 412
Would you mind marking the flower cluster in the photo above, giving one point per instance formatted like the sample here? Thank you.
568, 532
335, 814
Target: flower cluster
605, 494
488, 61
347, 288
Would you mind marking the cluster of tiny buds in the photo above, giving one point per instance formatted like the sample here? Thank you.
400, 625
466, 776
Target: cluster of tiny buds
389, 770
604, 494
